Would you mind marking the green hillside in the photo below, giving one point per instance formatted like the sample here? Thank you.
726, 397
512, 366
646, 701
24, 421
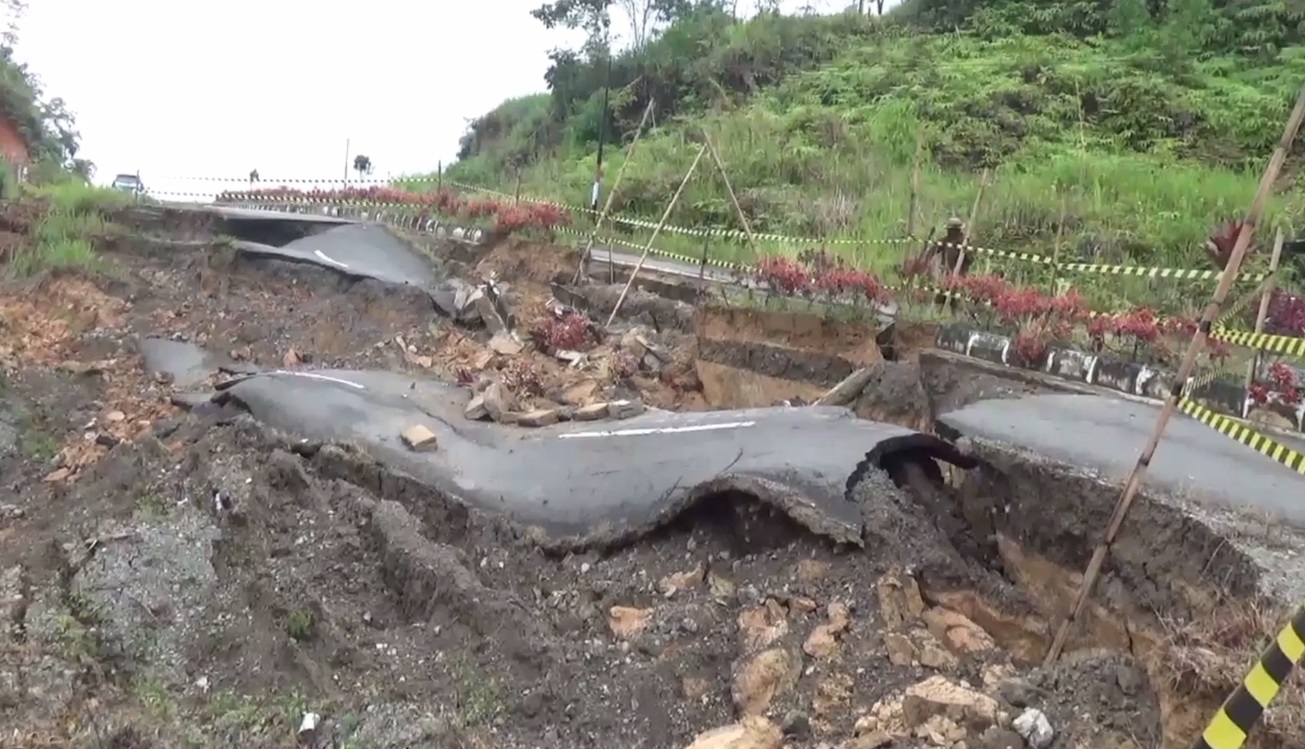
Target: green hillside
1148, 121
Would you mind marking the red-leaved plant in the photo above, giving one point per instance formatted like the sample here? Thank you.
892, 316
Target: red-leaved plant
505, 217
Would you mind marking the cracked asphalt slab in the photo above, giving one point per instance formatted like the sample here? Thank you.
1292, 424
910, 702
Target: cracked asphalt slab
361, 250
1108, 434
590, 483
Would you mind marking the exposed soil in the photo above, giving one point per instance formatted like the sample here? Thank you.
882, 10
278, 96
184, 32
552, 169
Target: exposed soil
188, 579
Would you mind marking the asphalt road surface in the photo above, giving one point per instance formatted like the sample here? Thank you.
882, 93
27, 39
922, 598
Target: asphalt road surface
1107, 434
588, 480
363, 250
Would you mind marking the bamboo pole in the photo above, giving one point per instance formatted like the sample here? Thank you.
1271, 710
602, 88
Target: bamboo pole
974, 216
1138, 474
666, 215
912, 204
734, 199
1055, 251
607, 205
1279, 240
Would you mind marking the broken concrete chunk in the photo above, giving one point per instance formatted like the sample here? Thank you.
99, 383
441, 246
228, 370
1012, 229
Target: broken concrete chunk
753, 732
940, 696
476, 409
1033, 726
540, 417
581, 394
625, 409
498, 401
489, 314
505, 344
592, 412
419, 439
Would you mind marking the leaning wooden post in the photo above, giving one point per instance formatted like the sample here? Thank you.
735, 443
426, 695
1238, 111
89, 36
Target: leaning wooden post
607, 204
666, 215
912, 203
734, 199
974, 216
1279, 240
1055, 250
1135, 477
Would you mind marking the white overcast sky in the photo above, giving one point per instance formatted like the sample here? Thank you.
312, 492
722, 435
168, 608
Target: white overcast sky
177, 90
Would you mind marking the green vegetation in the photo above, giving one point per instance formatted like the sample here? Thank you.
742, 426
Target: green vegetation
75, 215
1146, 121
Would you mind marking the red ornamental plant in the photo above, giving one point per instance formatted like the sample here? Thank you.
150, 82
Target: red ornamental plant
570, 332
1282, 387
506, 216
784, 275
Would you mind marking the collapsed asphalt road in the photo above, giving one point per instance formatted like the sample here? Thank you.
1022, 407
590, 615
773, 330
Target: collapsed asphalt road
593, 482
1107, 434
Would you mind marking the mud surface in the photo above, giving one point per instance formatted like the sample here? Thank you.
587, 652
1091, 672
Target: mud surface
175, 578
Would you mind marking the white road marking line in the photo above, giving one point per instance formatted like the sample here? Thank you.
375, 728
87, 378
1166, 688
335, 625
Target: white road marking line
659, 430
317, 376
332, 261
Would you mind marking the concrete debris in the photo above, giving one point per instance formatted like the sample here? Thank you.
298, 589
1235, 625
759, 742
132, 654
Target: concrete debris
457, 299
753, 732
539, 417
625, 409
591, 412
418, 438
504, 343
476, 409
499, 401
940, 696
1032, 725
759, 680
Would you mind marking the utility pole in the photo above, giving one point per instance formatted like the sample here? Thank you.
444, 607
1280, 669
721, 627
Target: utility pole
346, 162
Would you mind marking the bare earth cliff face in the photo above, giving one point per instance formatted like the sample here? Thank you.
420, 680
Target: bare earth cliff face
182, 575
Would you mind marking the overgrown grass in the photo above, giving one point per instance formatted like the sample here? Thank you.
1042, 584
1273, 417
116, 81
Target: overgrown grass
1128, 151
75, 216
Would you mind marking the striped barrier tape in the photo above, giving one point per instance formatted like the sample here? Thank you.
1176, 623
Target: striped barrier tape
1273, 344
1230, 427
1245, 706
1033, 257
679, 257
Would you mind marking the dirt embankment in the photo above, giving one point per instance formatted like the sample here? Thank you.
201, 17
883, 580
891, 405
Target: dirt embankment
174, 579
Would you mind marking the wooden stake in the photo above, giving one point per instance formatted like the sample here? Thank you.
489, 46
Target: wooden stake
666, 215
912, 204
1055, 250
738, 209
607, 205
974, 216
1136, 476
1279, 240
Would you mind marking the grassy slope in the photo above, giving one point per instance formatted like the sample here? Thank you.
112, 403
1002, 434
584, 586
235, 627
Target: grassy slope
1147, 139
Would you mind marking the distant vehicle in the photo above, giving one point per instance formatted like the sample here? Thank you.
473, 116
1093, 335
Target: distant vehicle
129, 183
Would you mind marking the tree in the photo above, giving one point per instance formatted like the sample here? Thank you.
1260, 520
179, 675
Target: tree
362, 165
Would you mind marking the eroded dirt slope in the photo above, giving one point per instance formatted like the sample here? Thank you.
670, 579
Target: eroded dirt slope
183, 579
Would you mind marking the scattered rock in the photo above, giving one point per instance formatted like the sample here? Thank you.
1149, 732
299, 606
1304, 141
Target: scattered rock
753, 732
677, 581
901, 651
498, 401
957, 631
870, 740
625, 409
940, 696
758, 682
626, 621
760, 626
1034, 727
999, 738
290, 358
540, 417
476, 408
503, 343
582, 394
419, 438
694, 687
591, 412
823, 641
899, 598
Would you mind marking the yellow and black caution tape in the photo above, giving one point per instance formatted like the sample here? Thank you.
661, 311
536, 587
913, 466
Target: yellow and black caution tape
1230, 427
1273, 344
1032, 257
1244, 707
